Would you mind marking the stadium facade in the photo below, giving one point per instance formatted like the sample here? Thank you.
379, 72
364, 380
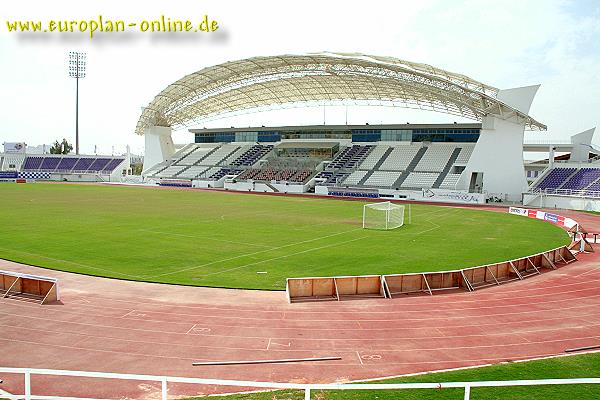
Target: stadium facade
341, 78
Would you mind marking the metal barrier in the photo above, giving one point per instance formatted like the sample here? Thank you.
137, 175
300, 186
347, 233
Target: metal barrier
28, 287
307, 388
387, 286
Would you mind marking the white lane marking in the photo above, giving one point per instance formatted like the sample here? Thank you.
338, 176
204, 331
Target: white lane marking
127, 314
193, 326
200, 330
273, 343
359, 358
387, 349
371, 356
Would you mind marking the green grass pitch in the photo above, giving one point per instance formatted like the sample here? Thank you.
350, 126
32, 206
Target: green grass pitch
238, 240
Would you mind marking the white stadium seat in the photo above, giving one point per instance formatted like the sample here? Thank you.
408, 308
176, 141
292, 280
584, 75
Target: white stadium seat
465, 154
435, 158
382, 178
196, 155
449, 181
355, 177
420, 180
170, 172
192, 172
219, 155
374, 157
400, 158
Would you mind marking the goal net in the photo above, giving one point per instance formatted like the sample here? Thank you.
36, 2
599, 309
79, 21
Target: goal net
385, 215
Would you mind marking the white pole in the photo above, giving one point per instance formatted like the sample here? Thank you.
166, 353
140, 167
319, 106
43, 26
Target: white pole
27, 385
307, 393
387, 218
409, 214
467, 392
364, 210
164, 387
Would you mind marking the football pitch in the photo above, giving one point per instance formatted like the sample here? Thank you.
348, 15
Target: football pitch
235, 240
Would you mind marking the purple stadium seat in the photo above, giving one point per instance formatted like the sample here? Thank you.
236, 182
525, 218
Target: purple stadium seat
555, 178
583, 178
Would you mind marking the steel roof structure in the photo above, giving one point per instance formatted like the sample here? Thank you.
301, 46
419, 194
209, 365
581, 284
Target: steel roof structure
262, 83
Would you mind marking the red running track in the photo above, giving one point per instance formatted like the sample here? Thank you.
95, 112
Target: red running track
129, 327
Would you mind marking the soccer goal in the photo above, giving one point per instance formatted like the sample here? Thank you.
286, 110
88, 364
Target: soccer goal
384, 215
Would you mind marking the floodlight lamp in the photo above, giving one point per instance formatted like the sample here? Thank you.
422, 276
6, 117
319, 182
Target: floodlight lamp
77, 64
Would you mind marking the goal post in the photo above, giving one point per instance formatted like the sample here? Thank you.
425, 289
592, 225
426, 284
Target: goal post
383, 215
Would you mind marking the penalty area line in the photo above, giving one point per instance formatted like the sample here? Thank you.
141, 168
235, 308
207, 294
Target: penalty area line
253, 253
284, 256
207, 238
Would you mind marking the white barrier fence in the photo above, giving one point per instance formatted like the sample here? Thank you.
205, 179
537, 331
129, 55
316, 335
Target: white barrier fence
566, 192
307, 388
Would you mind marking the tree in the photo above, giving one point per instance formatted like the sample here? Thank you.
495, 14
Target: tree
136, 168
63, 147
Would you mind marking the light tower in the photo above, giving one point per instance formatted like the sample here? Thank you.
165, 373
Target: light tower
77, 70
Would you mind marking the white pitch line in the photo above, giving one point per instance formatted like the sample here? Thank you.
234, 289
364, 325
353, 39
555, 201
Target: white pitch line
269, 344
284, 256
435, 226
256, 252
73, 263
207, 238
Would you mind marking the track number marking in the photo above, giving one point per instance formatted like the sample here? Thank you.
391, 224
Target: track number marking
371, 357
134, 314
274, 343
198, 330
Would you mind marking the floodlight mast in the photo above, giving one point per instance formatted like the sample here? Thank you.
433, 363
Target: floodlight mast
77, 70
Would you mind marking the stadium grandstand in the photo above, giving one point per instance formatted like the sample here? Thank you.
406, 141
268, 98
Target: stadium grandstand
457, 162
58, 167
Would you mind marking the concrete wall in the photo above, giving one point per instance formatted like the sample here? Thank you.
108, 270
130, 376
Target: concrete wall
262, 187
498, 153
159, 146
428, 195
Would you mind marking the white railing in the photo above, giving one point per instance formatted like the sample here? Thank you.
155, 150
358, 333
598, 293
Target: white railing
534, 142
566, 192
307, 388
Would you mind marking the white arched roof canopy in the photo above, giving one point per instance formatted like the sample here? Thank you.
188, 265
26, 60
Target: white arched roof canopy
260, 83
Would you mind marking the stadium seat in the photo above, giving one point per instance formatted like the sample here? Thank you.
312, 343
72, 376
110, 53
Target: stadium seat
400, 158
382, 179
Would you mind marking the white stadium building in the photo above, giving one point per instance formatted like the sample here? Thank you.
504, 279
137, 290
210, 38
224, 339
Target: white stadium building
442, 162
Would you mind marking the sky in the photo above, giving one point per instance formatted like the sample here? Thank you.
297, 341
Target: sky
502, 43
